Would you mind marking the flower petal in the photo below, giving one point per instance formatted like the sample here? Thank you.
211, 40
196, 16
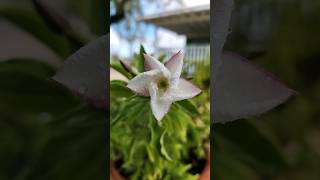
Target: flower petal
160, 106
174, 65
139, 84
184, 90
116, 75
150, 63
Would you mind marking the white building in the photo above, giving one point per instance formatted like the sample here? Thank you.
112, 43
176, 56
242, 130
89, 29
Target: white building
194, 23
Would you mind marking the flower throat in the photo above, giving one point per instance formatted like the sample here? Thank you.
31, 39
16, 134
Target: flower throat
163, 84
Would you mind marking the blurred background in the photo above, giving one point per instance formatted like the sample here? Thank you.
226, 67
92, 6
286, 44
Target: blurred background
45, 131
163, 27
282, 37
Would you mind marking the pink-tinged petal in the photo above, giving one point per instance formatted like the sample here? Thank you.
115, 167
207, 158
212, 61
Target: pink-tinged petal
115, 75
160, 106
174, 65
184, 90
150, 63
139, 84
243, 90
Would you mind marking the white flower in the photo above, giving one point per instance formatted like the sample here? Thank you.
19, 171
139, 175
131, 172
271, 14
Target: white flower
163, 84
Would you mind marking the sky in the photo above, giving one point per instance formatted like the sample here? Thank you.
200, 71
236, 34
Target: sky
166, 38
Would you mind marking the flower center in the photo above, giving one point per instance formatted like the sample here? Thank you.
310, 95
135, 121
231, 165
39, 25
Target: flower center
163, 84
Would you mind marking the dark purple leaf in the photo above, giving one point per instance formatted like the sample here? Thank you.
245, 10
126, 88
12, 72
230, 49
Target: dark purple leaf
85, 72
240, 89
243, 90
222, 10
11, 47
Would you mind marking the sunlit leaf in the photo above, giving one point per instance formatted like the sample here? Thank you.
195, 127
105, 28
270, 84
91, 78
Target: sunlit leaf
140, 59
163, 148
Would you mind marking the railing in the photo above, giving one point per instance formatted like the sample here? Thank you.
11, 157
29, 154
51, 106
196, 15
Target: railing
195, 55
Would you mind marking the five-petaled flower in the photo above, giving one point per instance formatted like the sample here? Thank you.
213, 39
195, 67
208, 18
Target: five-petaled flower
163, 84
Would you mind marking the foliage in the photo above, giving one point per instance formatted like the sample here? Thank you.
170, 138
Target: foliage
282, 144
45, 131
148, 149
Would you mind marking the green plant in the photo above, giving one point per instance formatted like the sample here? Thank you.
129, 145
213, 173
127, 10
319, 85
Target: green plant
142, 147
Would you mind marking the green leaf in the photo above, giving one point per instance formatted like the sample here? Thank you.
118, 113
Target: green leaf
162, 58
189, 107
177, 122
118, 67
150, 152
140, 59
118, 89
163, 149
129, 68
165, 145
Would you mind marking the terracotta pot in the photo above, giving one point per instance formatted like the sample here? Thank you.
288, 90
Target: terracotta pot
205, 175
114, 173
